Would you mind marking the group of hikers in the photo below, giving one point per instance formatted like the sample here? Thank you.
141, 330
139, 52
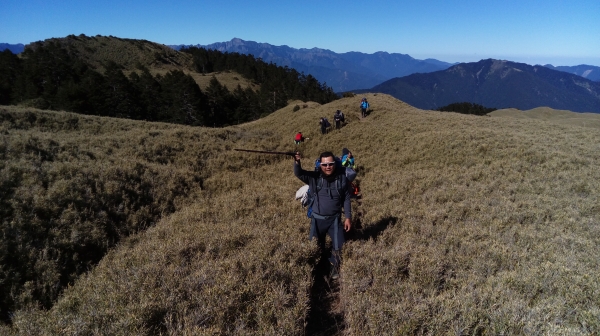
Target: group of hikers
329, 189
338, 118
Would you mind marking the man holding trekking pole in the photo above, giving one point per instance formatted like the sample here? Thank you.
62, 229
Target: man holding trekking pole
329, 189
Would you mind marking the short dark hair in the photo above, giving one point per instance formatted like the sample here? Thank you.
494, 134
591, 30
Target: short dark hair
326, 154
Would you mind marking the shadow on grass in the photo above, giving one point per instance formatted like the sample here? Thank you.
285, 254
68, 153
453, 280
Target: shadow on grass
325, 316
372, 231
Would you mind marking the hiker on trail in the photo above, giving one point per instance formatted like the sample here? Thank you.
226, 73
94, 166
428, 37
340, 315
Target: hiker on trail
329, 189
364, 106
299, 138
324, 125
347, 159
338, 117
348, 163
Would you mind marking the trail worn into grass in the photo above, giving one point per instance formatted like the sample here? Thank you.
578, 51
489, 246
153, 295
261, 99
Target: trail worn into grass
326, 315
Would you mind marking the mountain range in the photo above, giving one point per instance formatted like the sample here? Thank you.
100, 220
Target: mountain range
496, 83
342, 72
354, 70
586, 71
426, 84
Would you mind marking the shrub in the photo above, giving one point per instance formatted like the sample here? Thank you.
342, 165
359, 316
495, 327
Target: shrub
69, 195
467, 108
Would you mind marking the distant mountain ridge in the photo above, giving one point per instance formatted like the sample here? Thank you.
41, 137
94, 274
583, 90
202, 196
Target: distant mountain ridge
499, 84
343, 72
586, 71
14, 48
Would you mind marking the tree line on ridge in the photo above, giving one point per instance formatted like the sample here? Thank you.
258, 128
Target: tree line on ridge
51, 77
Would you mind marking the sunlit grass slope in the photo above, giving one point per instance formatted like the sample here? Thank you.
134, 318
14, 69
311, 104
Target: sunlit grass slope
469, 225
128, 53
549, 114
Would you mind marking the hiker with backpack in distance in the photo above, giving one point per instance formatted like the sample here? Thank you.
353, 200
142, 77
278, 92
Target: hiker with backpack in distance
349, 164
364, 106
324, 125
348, 159
338, 117
329, 193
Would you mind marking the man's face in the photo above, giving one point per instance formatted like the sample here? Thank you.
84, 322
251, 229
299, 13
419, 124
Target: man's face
328, 165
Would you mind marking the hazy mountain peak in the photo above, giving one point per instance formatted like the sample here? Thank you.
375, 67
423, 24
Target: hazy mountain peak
341, 71
499, 84
586, 71
14, 48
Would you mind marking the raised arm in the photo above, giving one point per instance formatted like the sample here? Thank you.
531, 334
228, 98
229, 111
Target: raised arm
303, 175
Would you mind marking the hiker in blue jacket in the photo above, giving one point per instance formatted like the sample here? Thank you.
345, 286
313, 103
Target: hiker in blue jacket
364, 106
348, 159
331, 193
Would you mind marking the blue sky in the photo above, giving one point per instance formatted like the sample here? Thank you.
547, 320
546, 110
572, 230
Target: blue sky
534, 32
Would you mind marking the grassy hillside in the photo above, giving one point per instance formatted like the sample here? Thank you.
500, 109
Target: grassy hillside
130, 54
469, 225
552, 115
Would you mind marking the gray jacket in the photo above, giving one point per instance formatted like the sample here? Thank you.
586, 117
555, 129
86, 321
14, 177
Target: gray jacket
329, 201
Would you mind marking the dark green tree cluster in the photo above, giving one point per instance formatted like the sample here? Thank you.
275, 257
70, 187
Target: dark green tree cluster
278, 84
49, 76
467, 108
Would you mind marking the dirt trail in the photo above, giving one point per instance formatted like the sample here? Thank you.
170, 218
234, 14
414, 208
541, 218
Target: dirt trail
326, 315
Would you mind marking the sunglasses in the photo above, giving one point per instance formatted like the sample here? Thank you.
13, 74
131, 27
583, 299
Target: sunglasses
328, 164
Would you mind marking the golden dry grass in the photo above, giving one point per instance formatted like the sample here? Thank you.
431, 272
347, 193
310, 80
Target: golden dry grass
469, 226
552, 115
229, 79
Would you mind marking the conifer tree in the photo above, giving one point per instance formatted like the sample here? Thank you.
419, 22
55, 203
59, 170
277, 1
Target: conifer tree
183, 100
10, 68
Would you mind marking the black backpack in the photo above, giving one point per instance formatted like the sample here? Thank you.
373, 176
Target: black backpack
311, 195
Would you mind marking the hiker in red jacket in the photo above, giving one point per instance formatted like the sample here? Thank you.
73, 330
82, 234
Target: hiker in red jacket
299, 138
